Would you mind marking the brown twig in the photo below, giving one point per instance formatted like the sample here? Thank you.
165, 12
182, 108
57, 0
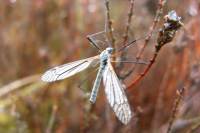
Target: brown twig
194, 128
186, 125
180, 94
126, 32
145, 71
159, 12
108, 24
7, 89
127, 28
166, 34
52, 119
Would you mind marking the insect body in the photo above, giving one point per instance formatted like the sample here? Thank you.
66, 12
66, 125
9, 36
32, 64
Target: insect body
113, 88
104, 56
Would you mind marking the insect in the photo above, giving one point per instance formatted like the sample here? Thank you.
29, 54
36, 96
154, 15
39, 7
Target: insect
113, 88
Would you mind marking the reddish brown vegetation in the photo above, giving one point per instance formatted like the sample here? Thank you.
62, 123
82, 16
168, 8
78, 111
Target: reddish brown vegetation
35, 35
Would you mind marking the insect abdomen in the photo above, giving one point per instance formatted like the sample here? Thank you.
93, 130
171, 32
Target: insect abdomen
96, 85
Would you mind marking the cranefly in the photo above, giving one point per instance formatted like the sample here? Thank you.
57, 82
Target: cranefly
113, 88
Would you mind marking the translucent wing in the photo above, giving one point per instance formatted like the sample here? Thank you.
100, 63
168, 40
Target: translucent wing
116, 95
69, 69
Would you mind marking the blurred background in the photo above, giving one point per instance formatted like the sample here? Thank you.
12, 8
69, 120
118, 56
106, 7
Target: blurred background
36, 35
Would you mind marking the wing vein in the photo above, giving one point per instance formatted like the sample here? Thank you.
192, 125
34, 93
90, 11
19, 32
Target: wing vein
116, 95
69, 69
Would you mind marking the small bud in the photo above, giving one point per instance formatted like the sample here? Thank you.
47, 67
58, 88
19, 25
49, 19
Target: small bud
172, 22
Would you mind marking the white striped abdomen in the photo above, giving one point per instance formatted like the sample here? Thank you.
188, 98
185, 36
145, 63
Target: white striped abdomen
97, 83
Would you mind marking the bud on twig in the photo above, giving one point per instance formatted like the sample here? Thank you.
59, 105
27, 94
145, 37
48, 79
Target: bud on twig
172, 22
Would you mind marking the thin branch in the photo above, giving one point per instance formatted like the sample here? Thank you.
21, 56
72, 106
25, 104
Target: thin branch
127, 28
7, 89
108, 24
159, 12
126, 32
145, 71
186, 125
52, 119
194, 128
180, 94
166, 35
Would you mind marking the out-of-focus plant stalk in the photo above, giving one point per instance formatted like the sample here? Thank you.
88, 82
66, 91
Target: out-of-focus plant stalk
177, 101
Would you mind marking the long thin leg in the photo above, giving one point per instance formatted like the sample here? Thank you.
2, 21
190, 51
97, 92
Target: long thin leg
85, 79
133, 42
93, 42
133, 61
130, 43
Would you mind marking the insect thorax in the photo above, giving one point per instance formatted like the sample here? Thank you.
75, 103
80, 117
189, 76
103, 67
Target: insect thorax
104, 56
